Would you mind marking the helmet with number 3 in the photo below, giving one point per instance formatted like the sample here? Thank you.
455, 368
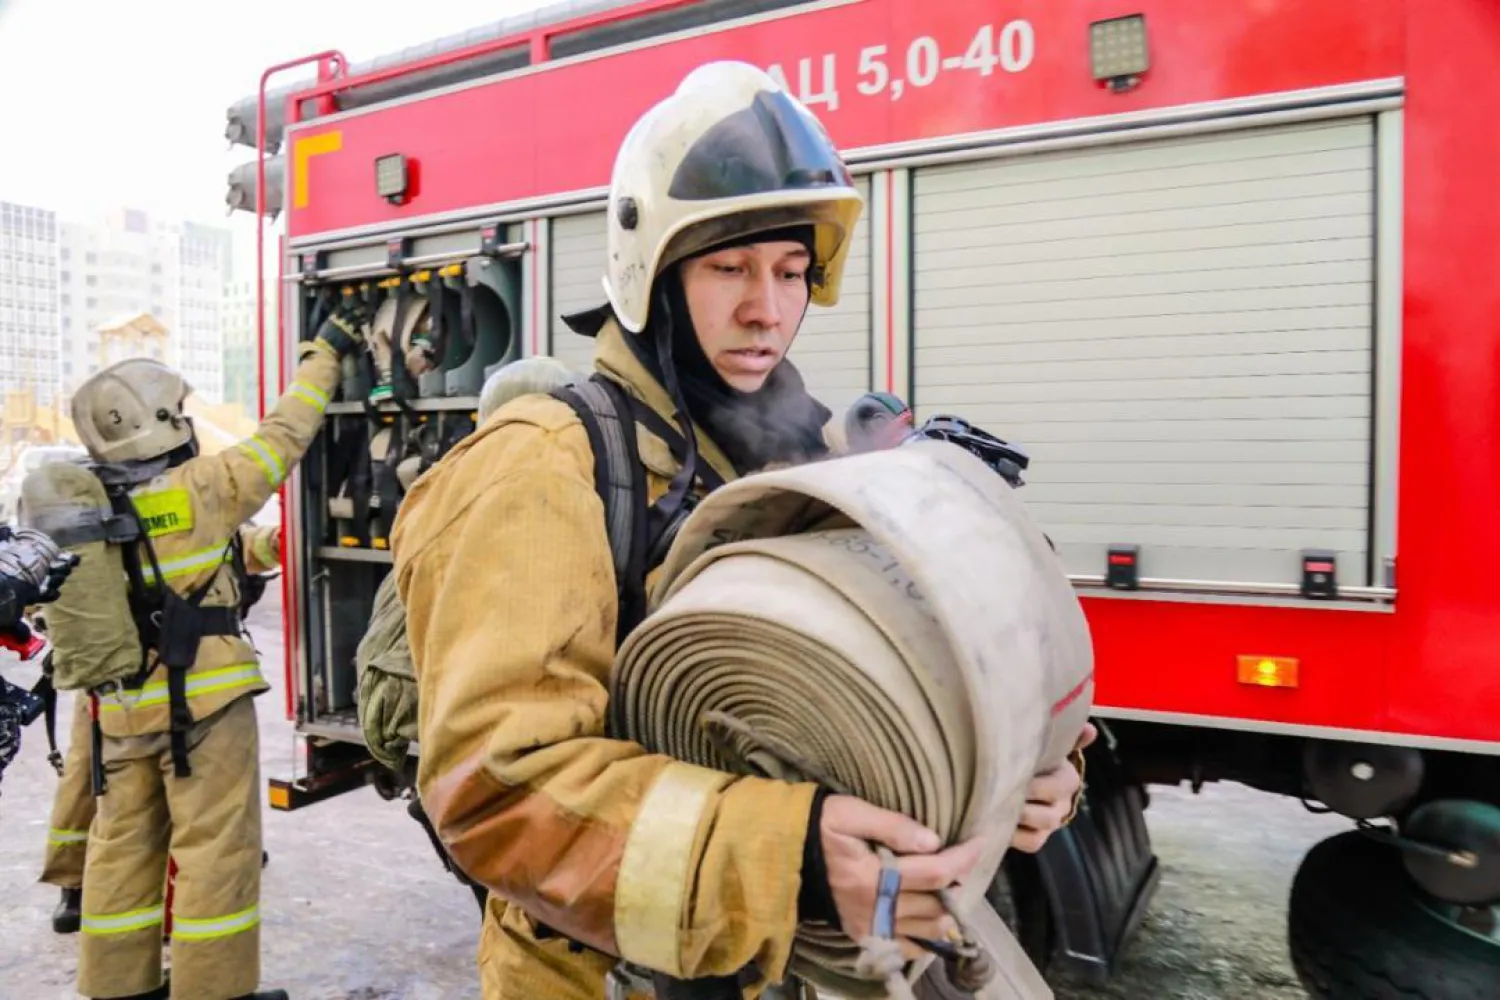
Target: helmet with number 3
729, 154
132, 412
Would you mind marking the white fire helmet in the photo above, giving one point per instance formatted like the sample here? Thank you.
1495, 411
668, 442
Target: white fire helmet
132, 411
730, 153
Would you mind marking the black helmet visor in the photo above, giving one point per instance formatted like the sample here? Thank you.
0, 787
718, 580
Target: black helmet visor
769, 146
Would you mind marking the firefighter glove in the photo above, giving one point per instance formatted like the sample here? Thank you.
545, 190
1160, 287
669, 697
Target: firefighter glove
345, 329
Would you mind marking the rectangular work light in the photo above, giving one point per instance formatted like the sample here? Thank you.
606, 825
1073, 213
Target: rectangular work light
1118, 51
391, 177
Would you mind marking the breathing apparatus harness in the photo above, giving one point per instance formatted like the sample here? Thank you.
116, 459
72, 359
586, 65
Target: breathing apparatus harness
640, 535
167, 624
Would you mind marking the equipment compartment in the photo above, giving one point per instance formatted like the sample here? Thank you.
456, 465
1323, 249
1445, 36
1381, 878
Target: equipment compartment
444, 313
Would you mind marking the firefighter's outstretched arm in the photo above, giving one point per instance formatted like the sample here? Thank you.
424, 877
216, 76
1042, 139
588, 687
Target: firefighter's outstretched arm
245, 476
505, 571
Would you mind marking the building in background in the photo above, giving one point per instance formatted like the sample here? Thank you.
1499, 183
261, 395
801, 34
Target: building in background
128, 263
29, 350
205, 255
240, 369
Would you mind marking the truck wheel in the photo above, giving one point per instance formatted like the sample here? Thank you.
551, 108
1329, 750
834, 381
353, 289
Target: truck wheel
1360, 929
1018, 896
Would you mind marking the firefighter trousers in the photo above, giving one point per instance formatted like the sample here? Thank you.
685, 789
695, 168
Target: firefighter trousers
210, 823
72, 804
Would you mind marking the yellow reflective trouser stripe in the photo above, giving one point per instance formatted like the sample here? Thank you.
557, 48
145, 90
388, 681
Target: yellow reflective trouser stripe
184, 929
265, 456
121, 923
309, 394
193, 562
64, 838
207, 682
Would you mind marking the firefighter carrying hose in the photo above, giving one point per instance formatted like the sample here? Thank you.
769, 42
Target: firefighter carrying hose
177, 747
729, 211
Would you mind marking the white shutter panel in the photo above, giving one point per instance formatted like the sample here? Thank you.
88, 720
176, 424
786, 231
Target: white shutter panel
577, 283
1179, 331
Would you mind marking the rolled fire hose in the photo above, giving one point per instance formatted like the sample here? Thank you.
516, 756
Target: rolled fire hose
893, 624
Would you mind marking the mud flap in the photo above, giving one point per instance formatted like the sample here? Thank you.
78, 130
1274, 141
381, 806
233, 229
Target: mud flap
1099, 873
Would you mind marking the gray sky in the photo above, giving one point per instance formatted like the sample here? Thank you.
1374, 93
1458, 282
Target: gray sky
112, 103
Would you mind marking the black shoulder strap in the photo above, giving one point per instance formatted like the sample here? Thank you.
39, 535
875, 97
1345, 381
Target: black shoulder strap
667, 515
620, 480
169, 623
658, 425
144, 598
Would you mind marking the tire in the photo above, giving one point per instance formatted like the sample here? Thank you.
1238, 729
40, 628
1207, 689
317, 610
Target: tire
1018, 897
1358, 929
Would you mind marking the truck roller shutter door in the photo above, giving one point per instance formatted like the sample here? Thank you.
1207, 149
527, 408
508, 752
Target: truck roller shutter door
577, 283
832, 350
1180, 331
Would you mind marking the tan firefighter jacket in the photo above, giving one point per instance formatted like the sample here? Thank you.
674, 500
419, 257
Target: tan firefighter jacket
504, 566
190, 514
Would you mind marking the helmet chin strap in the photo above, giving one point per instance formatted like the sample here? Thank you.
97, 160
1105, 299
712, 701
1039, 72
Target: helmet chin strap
188, 449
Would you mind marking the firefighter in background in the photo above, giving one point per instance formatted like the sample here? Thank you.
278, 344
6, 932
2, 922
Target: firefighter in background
730, 210
181, 753
73, 802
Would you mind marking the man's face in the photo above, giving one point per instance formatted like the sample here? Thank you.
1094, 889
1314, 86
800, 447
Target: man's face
746, 304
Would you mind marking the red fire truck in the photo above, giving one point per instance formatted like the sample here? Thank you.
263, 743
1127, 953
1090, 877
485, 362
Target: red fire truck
1228, 271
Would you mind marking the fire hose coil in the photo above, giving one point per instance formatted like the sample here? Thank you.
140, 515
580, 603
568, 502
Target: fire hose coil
893, 625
